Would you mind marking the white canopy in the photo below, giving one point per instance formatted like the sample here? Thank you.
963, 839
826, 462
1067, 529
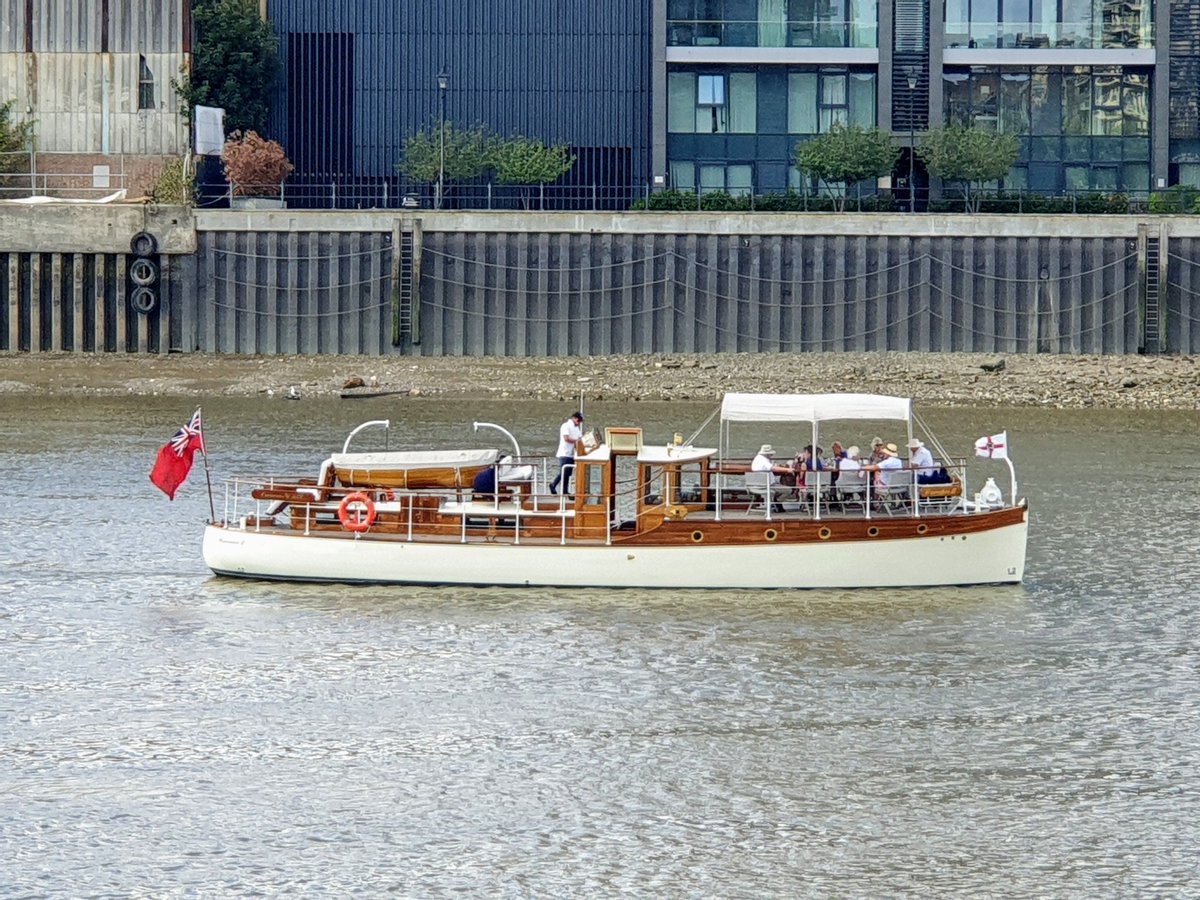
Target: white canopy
813, 407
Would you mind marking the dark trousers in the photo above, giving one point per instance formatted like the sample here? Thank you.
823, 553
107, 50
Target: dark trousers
566, 465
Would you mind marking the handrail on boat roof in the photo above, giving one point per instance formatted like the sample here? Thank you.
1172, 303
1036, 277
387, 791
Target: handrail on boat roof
503, 431
385, 423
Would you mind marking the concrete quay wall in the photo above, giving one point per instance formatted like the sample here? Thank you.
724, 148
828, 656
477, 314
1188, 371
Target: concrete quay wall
287, 282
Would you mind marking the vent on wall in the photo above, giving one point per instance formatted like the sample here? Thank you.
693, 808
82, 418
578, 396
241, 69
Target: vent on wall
912, 26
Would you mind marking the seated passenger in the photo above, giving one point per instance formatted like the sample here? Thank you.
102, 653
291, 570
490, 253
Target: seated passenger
876, 445
921, 460
849, 461
483, 487
888, 470
765, 462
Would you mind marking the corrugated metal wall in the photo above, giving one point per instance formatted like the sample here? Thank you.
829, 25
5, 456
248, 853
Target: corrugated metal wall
563, 71
77, 63
93, 26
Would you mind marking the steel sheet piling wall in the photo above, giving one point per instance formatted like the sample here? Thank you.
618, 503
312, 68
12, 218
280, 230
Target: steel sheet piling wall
311, 292
597, 293
292, 283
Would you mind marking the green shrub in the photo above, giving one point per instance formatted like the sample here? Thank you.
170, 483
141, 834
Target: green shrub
669, 201
1177, 198
720, 201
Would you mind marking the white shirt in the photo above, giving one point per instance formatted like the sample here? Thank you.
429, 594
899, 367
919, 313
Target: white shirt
922, 459
568, 434
763, 463
888, 467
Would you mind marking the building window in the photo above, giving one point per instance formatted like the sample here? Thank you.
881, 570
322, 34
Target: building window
1074, 100
772, 23
736, 179
1082, 128
145, 85
711, 103
710, 90
1085, 24
820, 99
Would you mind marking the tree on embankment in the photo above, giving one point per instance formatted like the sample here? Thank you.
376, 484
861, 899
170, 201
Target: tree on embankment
235, 64
970, 156
464, 154
847, 155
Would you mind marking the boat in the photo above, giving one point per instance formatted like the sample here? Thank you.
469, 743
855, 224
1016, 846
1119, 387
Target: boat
645, 514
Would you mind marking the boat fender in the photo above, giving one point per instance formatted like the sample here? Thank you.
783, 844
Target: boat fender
356, 512
991, 494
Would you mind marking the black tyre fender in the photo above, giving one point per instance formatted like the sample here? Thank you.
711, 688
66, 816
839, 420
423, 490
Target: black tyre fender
143, 272
143, 300
143, 244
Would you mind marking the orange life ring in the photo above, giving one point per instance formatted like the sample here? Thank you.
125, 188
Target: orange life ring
353, 520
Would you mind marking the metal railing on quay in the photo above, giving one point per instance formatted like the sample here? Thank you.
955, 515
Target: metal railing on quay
315, 193
20, 177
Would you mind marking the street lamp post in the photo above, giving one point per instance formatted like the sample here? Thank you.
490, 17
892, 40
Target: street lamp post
443, 83
911, 73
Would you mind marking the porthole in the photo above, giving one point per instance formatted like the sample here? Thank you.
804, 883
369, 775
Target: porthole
872, 531
770, 534
697, 537
824, 534
922, 528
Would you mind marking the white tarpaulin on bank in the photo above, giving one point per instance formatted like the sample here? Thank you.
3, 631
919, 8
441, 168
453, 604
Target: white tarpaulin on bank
40, 200
812, 407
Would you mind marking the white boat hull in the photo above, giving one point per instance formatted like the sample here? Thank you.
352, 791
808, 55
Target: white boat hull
993, 556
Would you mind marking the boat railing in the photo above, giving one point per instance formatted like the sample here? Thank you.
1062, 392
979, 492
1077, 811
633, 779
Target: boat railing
905, 493
521, 496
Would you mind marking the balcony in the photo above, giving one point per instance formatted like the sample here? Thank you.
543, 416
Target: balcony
1132, 30
756, 33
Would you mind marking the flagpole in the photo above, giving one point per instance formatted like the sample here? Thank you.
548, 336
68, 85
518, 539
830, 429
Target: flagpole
212, 509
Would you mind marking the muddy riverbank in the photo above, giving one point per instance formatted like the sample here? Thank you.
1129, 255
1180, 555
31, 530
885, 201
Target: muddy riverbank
1133, 382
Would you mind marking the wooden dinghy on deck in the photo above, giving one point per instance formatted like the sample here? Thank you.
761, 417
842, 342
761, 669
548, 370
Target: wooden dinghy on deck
411, 469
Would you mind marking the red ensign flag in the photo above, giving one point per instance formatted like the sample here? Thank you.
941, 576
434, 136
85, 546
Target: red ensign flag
175, 458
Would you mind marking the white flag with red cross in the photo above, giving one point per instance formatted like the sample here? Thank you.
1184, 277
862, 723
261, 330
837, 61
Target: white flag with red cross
994, 447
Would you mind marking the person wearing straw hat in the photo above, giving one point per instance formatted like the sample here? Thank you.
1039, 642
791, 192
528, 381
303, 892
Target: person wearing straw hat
889, 464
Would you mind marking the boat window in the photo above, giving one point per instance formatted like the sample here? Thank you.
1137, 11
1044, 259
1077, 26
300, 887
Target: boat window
653, 485
593, 485
688, 484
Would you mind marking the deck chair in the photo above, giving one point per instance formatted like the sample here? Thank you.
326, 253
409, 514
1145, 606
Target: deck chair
758, 486
851, 489
816, 484
892, 499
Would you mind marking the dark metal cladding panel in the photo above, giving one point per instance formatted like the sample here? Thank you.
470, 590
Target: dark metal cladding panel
573, 72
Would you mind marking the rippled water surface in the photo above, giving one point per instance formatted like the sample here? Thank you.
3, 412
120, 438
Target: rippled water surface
165, 732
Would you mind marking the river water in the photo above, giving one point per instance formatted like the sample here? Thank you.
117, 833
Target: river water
164, 732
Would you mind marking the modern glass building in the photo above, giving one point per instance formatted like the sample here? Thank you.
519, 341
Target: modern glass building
1074, 80
715, 95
